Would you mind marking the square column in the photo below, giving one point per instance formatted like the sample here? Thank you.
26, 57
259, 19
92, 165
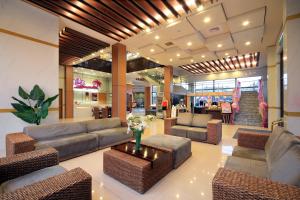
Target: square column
291, 51
168, 87
119, 81
273, 85
69, 95
147, 96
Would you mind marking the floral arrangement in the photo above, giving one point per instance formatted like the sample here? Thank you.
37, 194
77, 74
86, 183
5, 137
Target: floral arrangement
137, 125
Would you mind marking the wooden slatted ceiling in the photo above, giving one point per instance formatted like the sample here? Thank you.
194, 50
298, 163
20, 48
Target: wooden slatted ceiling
137, 64
249, 60
118, 19
74, 45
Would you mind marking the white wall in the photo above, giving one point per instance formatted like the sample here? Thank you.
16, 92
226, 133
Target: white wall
25, 62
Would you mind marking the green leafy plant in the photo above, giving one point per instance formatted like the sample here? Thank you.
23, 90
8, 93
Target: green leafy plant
33, 107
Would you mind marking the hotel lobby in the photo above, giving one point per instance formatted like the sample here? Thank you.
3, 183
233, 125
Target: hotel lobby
150, 99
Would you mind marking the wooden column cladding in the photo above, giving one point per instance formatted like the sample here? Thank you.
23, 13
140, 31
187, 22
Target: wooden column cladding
168, 86
147, 96
69, 95
119, 81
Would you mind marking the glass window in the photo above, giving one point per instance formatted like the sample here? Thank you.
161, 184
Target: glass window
249, 83
224, 85
204, 86
154, 95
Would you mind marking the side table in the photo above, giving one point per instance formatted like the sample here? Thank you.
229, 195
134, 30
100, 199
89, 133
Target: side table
18, 143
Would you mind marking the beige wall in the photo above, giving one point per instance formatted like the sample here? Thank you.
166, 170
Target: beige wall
29, 56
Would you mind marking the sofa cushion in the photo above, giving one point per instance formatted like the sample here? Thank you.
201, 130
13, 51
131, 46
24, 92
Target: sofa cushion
287, 168
112, 136
201, 120
181, 146
253, 167
277, 131
184, 119
180, 131
198, 134
72, 145
101, 124
28, 179
250, 153
285, 141
44, 132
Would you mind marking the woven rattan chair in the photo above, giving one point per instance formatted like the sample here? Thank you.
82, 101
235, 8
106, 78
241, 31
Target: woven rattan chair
73, 184
231, 184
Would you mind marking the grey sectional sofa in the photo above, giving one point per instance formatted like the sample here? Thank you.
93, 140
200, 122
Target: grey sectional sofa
264, 166
197, 127
78, 138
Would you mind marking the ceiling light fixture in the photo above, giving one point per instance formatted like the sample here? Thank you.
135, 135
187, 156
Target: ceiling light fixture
93, 54
226, 54
152, 50
189, 43
170, 20
203, 56
148, 58
206, 20
219, 45
156, 37
200, 8
284, 57
247, 43
101, 51
147, 30
178, 55
192, 60
246, 23
171, 59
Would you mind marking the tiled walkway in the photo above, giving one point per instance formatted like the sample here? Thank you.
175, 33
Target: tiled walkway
190, 181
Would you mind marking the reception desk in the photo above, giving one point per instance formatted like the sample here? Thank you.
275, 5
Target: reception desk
215, 112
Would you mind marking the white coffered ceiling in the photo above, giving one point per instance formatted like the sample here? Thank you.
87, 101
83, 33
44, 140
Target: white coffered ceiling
226, 28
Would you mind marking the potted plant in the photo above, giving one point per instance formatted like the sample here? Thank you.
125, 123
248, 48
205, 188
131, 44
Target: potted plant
34, 105
137, 125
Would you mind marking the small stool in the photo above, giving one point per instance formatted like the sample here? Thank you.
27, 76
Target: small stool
18, 143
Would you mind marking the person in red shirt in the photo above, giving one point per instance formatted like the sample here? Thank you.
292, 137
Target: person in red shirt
164, 105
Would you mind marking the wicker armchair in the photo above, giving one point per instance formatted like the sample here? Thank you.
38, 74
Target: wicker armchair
73, 184
234, 185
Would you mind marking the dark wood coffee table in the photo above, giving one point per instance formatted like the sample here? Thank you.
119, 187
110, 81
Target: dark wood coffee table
138, 170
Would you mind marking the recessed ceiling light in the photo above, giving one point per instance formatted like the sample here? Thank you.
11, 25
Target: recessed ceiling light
148, 30
200, 8
246, 23
226, 54
80, 59
192, 60
219, 45
203, 56
206, 20
171, 59
157, 61
93, 54
178, 55
137, 53
170, 20
101, 51
152, 50
284, 57
247, 43
189, 43
156, 37
148, 58
73, 63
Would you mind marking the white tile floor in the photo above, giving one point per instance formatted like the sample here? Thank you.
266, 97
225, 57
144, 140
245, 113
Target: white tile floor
192, 180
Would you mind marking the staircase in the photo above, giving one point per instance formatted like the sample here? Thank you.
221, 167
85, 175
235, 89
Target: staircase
249, 114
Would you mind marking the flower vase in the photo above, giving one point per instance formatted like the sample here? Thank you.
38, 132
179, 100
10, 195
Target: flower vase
138, 136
